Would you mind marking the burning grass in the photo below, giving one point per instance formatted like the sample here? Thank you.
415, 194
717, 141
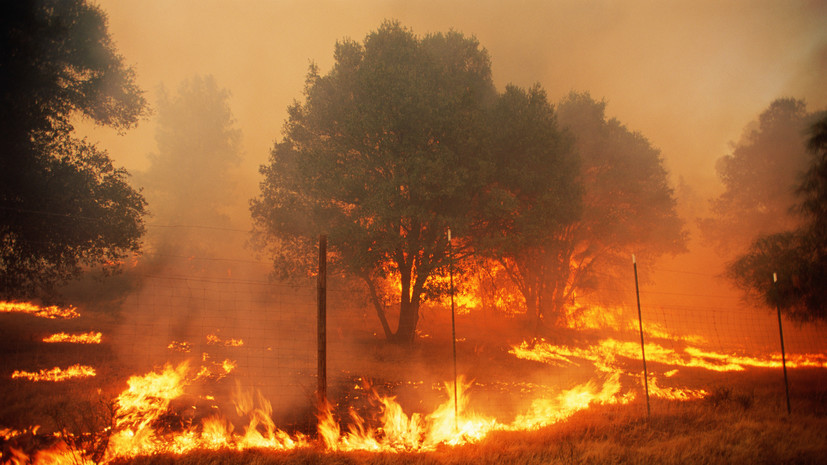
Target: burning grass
678, 432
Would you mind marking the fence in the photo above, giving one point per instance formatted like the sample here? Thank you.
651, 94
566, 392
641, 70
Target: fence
243, 332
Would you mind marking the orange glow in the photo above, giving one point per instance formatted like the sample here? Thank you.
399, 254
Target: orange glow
52, 312
81, 338
213, 339
56, 374
604, 353
181, 346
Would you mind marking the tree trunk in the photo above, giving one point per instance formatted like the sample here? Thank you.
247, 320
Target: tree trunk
377, 305
408, 319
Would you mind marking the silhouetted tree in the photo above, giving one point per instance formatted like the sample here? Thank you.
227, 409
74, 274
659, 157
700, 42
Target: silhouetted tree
760, 177
190, 180
629, 206
383, 156
797, 257
63, 205
532, 197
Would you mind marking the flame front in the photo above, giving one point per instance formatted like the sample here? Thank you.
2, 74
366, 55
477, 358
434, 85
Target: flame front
80, 338
56, 374
52, 312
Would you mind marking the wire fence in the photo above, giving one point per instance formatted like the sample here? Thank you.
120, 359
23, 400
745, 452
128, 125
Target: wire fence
242, 332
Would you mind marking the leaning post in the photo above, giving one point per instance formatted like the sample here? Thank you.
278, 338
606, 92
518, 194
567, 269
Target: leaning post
642, 349
781, 333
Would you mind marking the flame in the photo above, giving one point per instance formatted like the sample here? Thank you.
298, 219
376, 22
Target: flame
56, 374
81, 338
605, 352
550, 410
399, 432
673, 393
180, 346
52, 312
213, 339
148, 398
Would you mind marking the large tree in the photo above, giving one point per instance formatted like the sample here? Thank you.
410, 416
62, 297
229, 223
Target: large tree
797, 257
532, 197
383, 156
629, 207
191, 179
760, 176
63, 205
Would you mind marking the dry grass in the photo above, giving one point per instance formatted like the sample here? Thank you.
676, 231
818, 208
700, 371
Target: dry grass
697, 432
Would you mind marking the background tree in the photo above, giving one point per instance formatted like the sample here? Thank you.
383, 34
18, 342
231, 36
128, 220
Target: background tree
798, 257
63, 205
190, 180
383, 156
532, 197
760, 178
628, 206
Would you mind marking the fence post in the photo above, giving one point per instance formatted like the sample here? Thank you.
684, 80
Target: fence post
453, 327
321, 319
781, 333
642, 349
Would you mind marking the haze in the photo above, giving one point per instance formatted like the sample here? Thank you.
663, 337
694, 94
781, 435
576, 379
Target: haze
689, 75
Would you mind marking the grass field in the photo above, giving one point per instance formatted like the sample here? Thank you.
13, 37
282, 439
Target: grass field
730, 427
742, 419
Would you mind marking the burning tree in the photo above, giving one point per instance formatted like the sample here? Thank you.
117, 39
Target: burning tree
63, 205
383, 155
580, 206
532, 197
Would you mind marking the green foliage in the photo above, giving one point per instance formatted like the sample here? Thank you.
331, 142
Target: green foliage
63, 205
383, 156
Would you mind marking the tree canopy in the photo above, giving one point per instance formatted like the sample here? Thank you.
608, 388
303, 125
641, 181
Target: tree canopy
797, 257
629, 206
63, 205
760, 176
190, 178
532, 196
383, 156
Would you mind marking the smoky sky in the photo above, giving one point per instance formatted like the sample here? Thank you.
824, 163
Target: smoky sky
689, 75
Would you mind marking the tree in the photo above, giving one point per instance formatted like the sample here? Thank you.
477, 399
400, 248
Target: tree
532, 196
760, 178
798, 257
63, 205
628, 206
383, 156
190, 180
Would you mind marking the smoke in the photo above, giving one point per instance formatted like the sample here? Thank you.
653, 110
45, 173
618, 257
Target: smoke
688, 75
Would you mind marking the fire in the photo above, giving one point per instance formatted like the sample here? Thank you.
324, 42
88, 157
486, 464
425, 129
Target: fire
674, 393
604, 354
399, 432
139, 409
213, 339
52, 312
81, 338
549, 410
180, 346
56, 374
